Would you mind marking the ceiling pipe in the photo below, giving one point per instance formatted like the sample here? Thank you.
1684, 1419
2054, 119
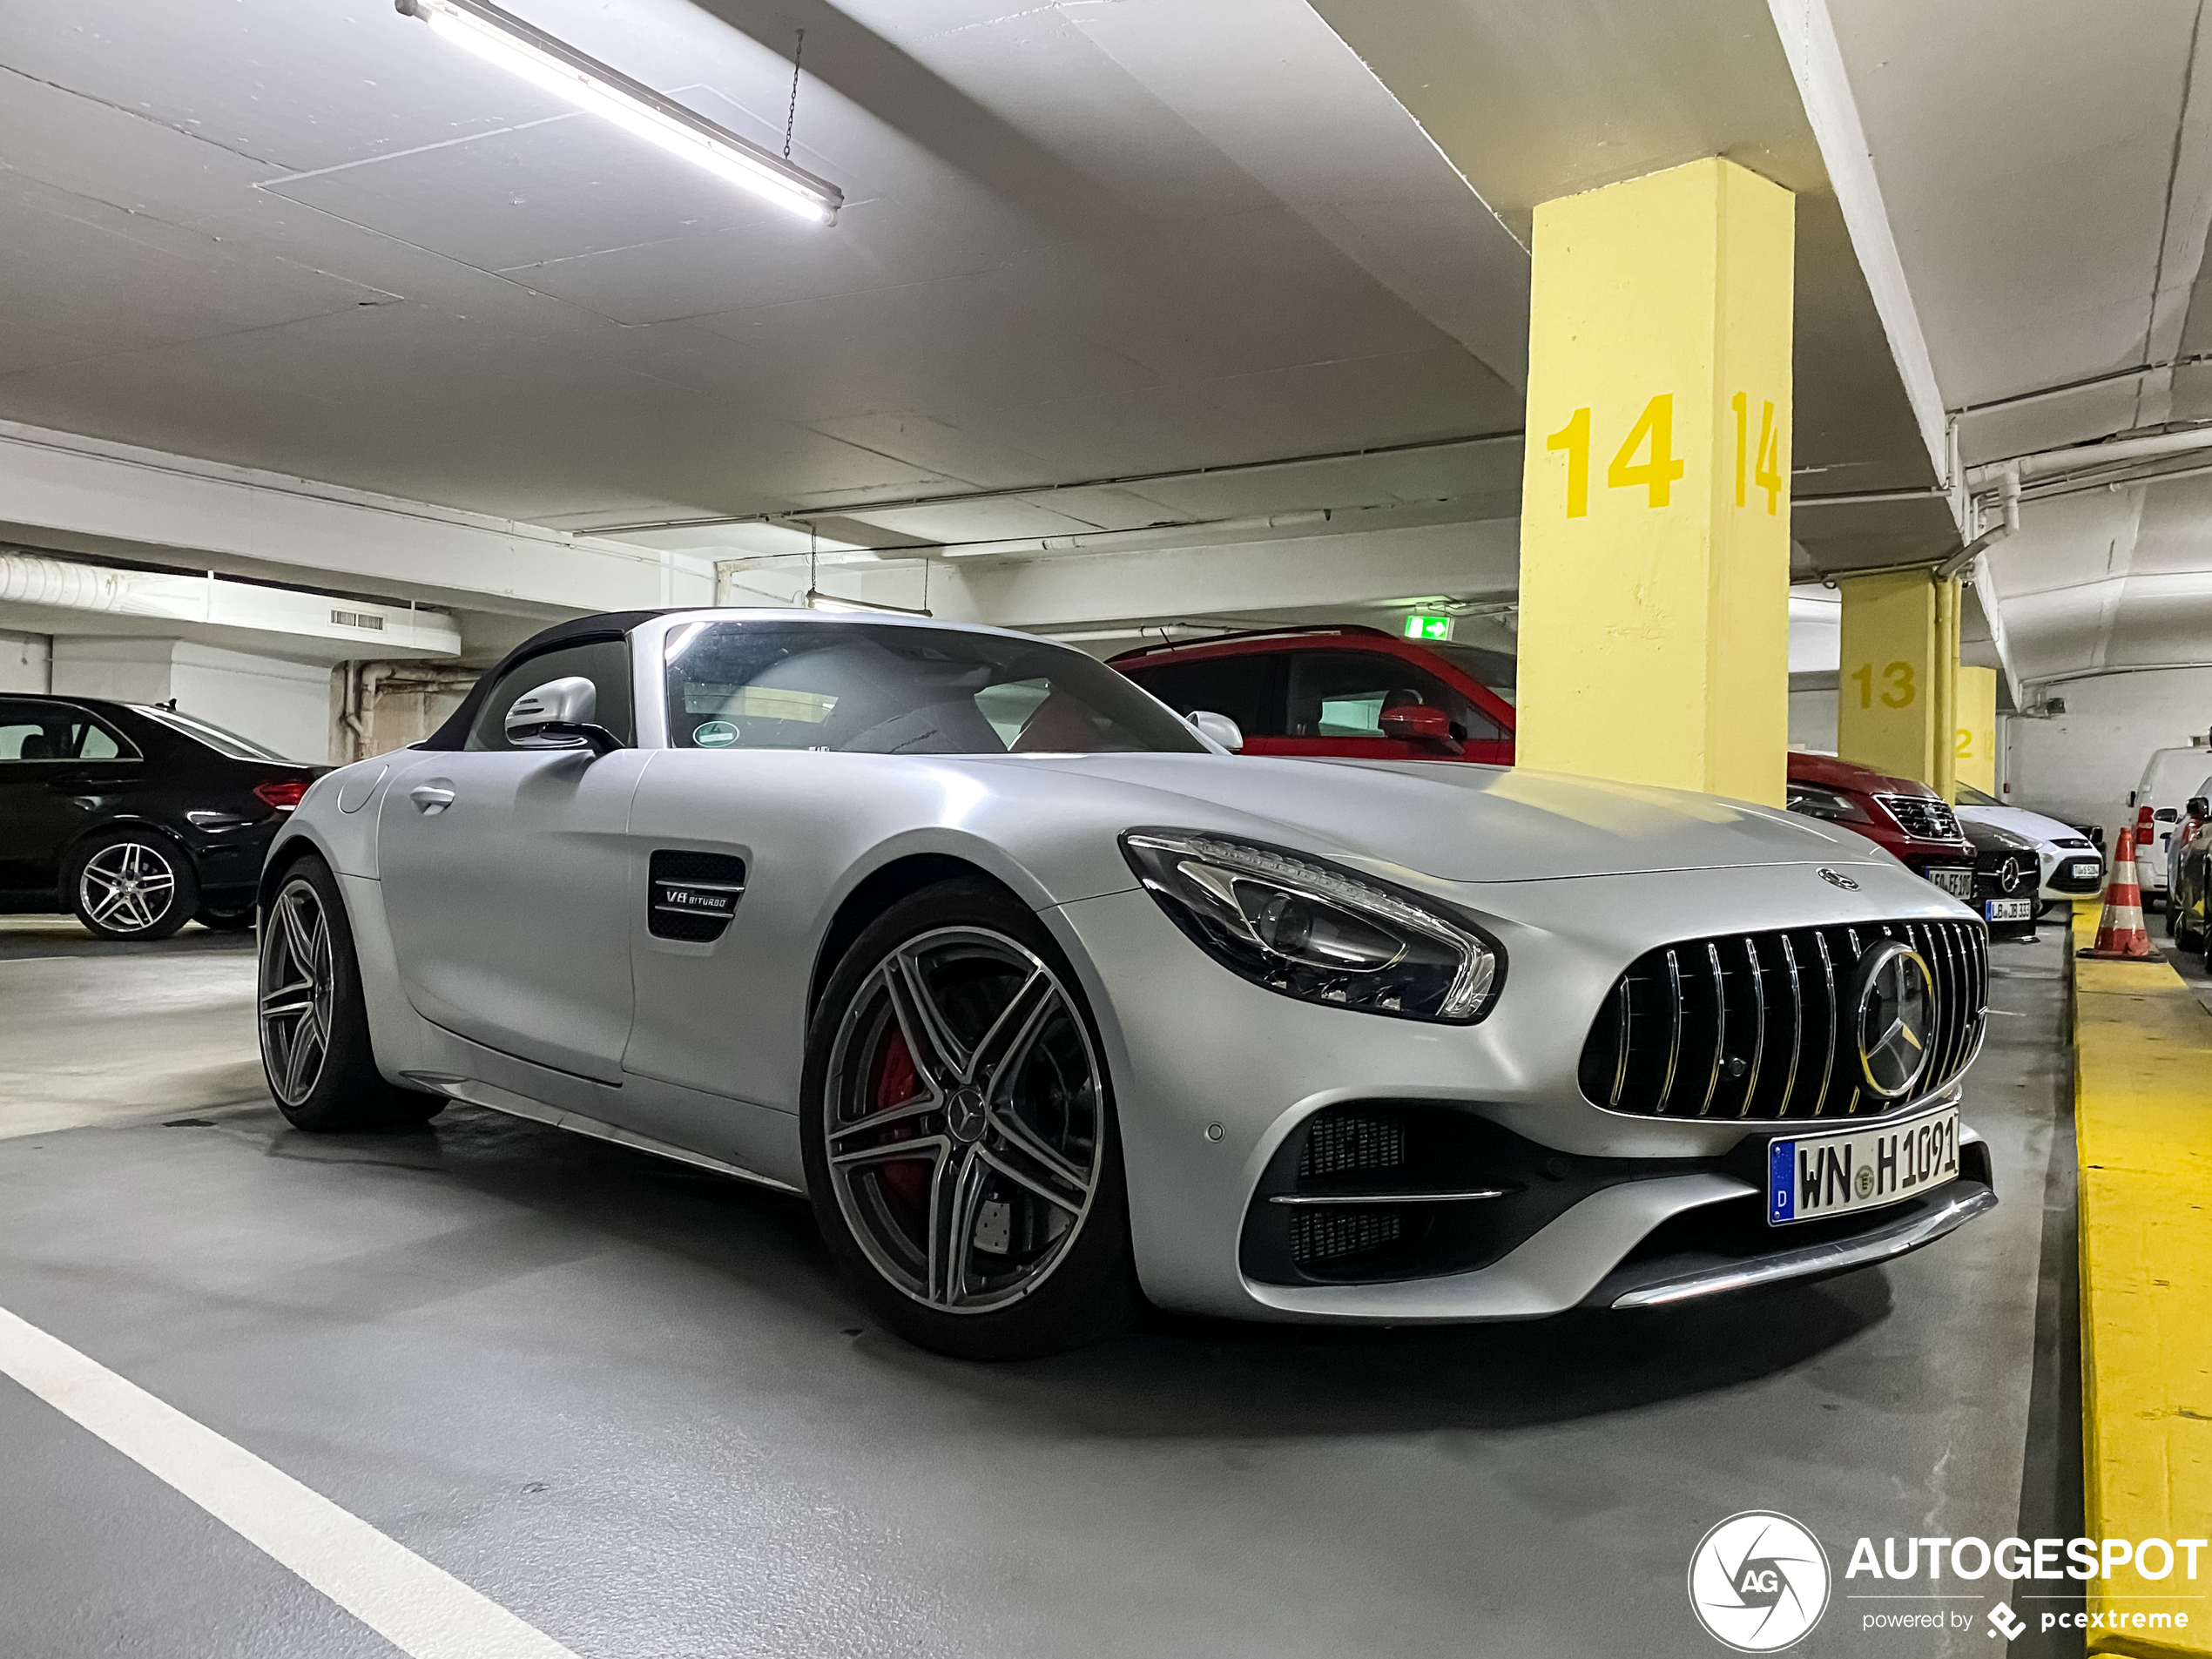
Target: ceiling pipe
33, 579
2050, 462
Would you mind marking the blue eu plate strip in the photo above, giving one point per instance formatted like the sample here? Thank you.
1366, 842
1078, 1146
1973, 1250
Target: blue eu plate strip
1782, 1191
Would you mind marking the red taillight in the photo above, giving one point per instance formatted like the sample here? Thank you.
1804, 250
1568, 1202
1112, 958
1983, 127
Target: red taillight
282, 794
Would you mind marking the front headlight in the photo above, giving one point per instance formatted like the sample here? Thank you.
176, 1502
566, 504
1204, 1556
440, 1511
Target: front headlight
1318, 932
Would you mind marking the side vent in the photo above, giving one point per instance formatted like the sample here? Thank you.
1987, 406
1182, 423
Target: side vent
694, 894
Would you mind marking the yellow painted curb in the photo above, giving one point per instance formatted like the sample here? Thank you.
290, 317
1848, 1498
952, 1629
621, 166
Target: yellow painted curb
2143, 1131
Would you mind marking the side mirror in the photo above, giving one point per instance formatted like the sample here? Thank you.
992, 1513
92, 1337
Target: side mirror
1418, 722
1222, 730
557, 715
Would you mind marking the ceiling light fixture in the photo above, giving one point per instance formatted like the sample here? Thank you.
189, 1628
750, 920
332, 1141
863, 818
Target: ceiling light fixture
817, 600
500, 37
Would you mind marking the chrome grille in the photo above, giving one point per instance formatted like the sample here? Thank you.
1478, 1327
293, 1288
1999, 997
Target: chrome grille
1757, 1025
1922, 816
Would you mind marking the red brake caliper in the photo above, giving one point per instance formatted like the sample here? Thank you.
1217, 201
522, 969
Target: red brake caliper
895, 1083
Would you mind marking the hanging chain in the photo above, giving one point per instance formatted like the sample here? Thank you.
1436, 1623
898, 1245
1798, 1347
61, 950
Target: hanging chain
791, 118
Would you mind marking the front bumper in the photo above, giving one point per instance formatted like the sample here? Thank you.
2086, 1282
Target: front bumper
1213, 1075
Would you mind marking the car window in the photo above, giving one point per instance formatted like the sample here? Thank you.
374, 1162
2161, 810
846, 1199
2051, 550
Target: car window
1234, 685
56, 732
225, 742
1343, 694
874, 688
1969, 796
1496, 671
605, 663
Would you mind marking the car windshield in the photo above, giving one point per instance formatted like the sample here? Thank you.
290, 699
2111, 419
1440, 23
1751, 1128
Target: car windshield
228, 744
1969, 796
890, 688
1491, 670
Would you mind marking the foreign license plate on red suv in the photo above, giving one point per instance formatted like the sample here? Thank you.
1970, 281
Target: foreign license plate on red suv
1812, 1177
1958, 882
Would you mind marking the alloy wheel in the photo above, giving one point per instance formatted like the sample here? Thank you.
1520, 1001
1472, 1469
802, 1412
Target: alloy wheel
965, 1124
296, 992
127, 887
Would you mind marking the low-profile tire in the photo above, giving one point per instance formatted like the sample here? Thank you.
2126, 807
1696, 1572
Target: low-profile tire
957, 1123
226, 921
315, 1048
133, 884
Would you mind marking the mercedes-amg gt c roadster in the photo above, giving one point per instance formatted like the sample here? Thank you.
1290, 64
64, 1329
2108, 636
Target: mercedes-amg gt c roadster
1053, 1005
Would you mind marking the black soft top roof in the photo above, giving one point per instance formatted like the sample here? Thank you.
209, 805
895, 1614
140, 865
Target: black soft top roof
608, 625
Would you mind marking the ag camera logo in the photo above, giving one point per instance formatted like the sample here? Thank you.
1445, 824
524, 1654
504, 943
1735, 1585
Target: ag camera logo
1759, 1581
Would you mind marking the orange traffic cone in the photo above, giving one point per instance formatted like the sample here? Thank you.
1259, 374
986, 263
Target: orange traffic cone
2120, 937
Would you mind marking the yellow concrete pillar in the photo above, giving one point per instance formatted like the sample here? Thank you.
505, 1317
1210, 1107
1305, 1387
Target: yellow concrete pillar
1896, 703
1974, 733
1655, 516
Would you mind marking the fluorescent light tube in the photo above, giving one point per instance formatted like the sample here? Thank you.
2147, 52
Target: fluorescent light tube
501, 37
817, 600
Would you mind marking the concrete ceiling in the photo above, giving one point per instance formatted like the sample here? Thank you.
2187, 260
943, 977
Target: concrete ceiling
1135, 248
2046, 168
305, 235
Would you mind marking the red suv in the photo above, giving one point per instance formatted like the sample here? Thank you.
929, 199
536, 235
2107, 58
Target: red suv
1360, 691
1347, 690
1905, 817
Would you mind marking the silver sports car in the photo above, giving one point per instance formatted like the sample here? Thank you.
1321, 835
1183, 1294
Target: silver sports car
1053, 1005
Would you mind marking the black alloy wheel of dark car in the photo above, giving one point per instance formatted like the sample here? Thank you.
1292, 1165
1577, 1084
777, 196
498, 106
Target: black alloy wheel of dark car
315, 1048
959, 1134
226, 921
132, 885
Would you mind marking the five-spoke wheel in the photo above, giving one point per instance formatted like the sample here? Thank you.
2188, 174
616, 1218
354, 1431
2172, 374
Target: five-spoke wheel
316, 1050
961, 1147
133, 886
296, 992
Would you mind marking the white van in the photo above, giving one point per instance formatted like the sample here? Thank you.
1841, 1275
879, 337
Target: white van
2172, 777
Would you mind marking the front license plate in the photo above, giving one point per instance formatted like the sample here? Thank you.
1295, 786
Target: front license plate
2008, 910
1959, 884
1812, 1177
2084, 870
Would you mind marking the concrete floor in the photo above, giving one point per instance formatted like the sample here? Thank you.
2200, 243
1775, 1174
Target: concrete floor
631, 1403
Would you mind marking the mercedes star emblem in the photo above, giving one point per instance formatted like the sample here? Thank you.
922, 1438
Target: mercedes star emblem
1838, 879
1894, 1010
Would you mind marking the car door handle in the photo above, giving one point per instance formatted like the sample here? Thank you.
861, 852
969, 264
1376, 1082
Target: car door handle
431, 799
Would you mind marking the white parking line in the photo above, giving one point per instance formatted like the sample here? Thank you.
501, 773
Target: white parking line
422, 1610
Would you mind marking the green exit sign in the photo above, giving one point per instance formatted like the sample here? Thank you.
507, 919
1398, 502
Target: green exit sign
1421, 627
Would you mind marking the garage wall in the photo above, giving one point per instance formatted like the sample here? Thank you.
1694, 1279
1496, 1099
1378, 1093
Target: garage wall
1812, 715
284, 706
25, 662
2083, 763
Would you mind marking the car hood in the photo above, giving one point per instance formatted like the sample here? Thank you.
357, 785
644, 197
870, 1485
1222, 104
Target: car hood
1454, 821
2021, 821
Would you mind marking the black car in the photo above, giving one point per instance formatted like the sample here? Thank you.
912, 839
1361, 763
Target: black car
2008, 872
137, 819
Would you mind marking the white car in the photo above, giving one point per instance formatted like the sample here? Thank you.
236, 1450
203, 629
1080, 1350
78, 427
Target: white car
1052, 1005
2071, 866
2171, 779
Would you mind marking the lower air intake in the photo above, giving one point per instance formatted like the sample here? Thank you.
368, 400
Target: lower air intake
1340, 1143
1325, 1234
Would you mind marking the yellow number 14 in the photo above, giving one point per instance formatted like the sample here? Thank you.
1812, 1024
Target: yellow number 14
1656, 473
1766, 472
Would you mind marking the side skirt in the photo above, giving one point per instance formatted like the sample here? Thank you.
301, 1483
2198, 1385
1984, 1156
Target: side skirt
473, 1093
